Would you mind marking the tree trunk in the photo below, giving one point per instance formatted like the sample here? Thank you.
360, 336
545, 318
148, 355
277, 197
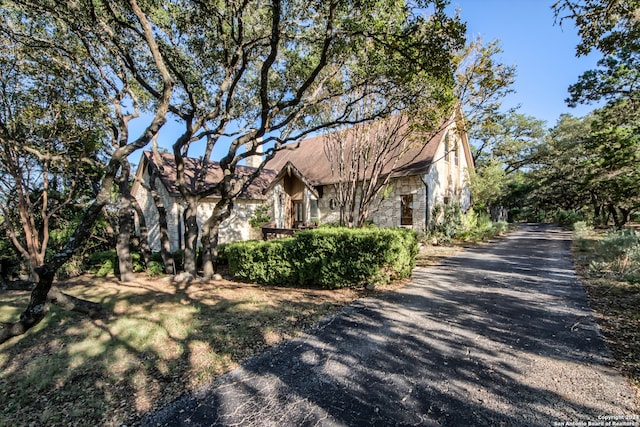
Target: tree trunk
123, 248
597, 210
620, 215
44, 274
35, 310
625, 216
191, 236
143, 243
617, 220
54, 296
209, 241
71, 303
211, 237
123, 244
165, 244
363, 214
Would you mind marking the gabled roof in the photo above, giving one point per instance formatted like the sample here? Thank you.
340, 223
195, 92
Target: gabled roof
310, 159
166, 169
290, 169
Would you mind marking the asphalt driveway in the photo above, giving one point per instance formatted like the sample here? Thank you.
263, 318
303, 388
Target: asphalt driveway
499, 335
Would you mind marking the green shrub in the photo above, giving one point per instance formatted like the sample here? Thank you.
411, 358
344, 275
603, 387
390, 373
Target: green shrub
222, 255
449, 222
446, 221
327, 257
155, 268
617, 255
10, 263
617, 243
72, 268
260, 216
581, 226
102, 263
138, 262
567, 218
262, 262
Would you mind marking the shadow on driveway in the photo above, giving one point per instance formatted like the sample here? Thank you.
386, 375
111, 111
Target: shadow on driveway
499, 335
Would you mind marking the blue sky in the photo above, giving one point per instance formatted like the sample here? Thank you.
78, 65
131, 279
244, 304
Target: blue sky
543, 53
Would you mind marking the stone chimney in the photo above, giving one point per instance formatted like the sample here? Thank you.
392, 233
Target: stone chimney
255, 160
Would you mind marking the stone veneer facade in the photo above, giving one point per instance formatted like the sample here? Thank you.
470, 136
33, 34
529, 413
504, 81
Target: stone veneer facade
447, 178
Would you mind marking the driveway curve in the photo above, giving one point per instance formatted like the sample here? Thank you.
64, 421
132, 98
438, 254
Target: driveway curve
498, 335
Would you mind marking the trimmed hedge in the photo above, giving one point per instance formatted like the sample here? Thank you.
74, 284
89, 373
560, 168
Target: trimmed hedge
327, 257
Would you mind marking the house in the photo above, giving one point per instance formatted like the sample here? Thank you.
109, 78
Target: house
428, 171
162, 168
299, 187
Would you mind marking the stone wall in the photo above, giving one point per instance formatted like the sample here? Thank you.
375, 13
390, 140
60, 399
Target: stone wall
387, 212
446, 179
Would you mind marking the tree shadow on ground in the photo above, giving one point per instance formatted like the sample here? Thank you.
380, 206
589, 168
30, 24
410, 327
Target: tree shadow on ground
493, 336
157, 342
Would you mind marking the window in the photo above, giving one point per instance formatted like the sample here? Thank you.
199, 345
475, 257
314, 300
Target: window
313, 207
406, 209
447, 147
298, 211
456, 158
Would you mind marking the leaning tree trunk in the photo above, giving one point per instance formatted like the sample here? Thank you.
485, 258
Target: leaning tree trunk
39, 302
55, 296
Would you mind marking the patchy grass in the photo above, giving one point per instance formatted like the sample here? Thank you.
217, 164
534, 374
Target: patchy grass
608, 273
432, 255
160, 340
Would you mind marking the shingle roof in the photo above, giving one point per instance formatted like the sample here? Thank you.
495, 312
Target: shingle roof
166, 167
309, 157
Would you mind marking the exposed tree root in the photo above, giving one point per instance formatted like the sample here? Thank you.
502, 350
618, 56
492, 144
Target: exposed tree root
54, 296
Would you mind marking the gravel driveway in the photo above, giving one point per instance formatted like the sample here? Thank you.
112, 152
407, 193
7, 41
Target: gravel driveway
499, 335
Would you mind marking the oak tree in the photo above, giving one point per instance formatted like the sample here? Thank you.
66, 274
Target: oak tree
108, 48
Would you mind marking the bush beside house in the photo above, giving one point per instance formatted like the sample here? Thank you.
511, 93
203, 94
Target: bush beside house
330, 258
